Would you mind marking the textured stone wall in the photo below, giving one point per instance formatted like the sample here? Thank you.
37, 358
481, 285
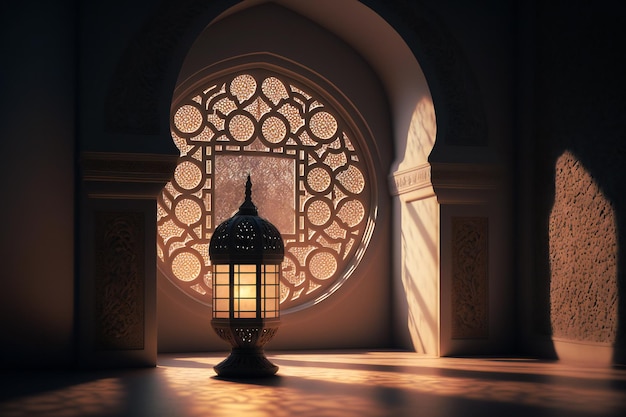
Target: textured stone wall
583, 257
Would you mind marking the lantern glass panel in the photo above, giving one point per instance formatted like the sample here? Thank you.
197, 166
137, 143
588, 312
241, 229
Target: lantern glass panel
221, 292
270, 308
245, 291
270, 282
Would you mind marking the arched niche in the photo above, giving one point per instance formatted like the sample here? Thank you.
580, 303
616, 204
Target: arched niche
387, 39
323, 63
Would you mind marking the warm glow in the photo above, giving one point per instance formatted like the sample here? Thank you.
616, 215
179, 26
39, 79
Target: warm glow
417, 228
270, 286
396, 383
583, 257
420, 135
420, 220
311, 181
221, 291
336, 384
245, 291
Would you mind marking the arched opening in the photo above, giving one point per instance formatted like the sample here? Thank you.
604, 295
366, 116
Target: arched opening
405, 287
343, 173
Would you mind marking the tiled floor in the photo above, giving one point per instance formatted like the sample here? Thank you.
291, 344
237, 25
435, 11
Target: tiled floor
342, 384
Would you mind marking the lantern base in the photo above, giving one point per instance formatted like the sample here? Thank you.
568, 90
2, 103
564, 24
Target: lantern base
245, 363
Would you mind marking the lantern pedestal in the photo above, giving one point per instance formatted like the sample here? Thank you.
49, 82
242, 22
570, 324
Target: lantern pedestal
245, 363
247, 338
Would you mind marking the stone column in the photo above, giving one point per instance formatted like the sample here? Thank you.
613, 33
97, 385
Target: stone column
116, 279
476, 286
453, 259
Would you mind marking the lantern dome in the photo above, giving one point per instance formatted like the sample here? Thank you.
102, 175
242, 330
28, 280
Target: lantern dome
246, 237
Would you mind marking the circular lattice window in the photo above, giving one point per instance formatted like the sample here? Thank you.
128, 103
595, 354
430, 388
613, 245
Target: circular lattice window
310, 179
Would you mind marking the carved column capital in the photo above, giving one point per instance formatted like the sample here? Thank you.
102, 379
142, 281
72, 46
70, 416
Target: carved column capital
411, 180
125, 175
464, 183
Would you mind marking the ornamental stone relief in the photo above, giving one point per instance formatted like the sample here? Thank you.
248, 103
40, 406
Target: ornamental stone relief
119, 280
470, 278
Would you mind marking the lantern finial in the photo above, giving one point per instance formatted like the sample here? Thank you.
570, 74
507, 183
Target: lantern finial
248, 206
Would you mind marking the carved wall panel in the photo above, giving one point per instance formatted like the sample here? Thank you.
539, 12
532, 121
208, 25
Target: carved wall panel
119, 281
470, 278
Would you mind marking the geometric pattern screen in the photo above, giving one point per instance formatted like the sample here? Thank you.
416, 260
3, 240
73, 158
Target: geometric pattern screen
309, 173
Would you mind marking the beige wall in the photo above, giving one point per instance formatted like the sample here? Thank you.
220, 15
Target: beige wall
358, 314
513, 85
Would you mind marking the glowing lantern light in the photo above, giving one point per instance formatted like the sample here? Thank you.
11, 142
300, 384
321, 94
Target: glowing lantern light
246, 252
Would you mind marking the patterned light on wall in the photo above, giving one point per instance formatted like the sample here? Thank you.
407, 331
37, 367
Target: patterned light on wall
246, 252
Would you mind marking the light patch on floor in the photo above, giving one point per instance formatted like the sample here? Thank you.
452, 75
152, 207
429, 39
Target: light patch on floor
342, 384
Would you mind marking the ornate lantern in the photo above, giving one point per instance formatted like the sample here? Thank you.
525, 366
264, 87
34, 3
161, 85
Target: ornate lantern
246, 252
